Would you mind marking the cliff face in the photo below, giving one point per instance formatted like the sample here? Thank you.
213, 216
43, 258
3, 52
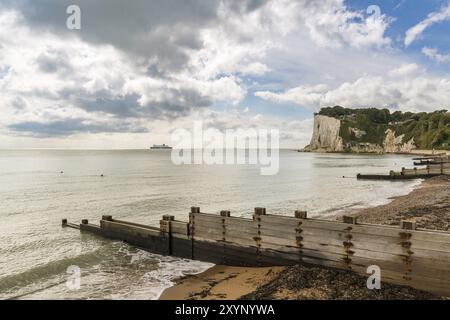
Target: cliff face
393, 144
327, 137
338, 129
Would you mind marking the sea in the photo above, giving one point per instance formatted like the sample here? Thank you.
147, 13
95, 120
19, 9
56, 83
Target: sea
38, 188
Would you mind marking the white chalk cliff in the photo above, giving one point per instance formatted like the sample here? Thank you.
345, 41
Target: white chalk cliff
326, 138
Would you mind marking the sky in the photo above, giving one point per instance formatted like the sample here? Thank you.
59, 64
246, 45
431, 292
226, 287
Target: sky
138, 70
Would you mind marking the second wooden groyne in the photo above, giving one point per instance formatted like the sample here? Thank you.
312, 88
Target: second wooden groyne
434, 166
406, 255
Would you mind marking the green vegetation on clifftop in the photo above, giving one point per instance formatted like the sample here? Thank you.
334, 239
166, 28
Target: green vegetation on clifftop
429, 130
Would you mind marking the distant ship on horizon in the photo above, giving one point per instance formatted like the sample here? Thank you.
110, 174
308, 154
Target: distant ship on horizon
160, 147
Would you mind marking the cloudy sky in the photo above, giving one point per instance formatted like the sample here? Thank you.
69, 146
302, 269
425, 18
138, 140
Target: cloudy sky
139, 69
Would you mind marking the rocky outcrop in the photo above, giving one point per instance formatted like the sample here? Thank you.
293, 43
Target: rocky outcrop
393, 144
327, 138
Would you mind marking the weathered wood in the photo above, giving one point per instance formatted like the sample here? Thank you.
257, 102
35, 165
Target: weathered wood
180, 227
405, 254
71, 225
133, 224
128, 228
91, 228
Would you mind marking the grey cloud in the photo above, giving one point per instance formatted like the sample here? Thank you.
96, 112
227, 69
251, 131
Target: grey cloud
19, 103
156, 33
146, 28
177, 103
70, 126
54, 61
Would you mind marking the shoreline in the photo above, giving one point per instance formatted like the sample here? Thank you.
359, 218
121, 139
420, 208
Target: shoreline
220, 283
428, 205
416, 152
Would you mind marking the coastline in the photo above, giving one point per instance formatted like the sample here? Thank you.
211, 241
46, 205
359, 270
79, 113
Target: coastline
428, 205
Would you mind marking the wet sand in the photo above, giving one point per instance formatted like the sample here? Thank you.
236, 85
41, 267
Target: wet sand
220, 283
428, 206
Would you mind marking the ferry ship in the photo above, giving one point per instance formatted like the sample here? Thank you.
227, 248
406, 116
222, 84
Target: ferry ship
161, 147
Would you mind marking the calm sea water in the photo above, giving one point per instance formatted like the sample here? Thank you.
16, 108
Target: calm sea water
141, 186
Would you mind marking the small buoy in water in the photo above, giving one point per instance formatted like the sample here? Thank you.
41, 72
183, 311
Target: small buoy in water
62, 171
102, 175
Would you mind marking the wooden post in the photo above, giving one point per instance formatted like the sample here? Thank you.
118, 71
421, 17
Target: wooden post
392, 173
107, 218
64, 222
260, 211
225, 213
195, 209
168, 217
408, 225
84, 221
350, 220
257, 218
301, 214
165, 223
403, 171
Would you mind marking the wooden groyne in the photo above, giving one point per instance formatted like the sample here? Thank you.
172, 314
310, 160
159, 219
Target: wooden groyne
406, 255
433, 159
434, 166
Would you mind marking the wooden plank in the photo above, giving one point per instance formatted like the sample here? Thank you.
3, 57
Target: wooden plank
323, 247
240, 240
241, 234
278, 221
135, 224
207, 222
277, 241
430, 271
127, 228
275, 247
201, 217
324, 236
207, 234
430, 236
386, 276
431, 255
317, 254
245, 227
179, 227
392, 267
324, 263
235, 221
289, 234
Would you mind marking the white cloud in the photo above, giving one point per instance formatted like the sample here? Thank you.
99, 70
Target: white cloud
435, 17
404, 70
435, 55
51, 81
331, 23
64, 79
255, 69
414, 93
302, 95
